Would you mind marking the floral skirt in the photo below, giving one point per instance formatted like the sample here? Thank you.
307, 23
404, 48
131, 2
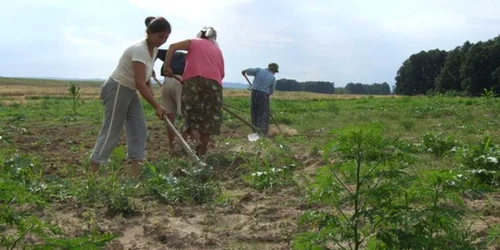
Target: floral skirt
202, 105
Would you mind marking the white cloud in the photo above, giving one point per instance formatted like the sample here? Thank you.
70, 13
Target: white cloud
45, 2
191, 11
235, 26
264, 40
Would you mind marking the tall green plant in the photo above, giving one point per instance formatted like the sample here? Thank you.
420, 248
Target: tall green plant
74, 93
373, 202
359, 187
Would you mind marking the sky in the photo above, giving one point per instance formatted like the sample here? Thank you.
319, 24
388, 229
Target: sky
318, 40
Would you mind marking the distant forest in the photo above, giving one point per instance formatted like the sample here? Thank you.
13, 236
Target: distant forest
329, 87
468, 70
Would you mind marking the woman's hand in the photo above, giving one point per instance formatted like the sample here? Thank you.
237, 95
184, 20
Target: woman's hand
160, 112
168, 72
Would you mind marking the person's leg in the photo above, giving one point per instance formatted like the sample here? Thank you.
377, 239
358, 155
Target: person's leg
259, 109
136, 131
189, 100
115, 110
265, 114
202, 149
168, 103
178, 97
211, 120
253, 107
262, 112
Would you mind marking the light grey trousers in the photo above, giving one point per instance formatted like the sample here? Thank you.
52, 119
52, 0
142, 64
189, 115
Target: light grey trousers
122, 106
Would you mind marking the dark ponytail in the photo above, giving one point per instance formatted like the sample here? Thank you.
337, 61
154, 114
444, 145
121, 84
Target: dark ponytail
148, 20
157, 24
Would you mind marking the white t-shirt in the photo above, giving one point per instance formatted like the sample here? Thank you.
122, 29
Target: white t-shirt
124, 71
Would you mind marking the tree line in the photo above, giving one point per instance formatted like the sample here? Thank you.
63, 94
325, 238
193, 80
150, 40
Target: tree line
469, 69
329, 87
368, 89
308, 86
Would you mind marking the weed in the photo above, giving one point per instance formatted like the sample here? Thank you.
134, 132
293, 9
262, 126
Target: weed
494, 236
482, 160
20, 189
439, 144
376, 204
185, 188
267, 176
272, 166
75, 94
488, 93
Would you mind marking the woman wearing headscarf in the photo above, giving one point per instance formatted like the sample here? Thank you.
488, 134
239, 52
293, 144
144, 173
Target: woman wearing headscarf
202, 86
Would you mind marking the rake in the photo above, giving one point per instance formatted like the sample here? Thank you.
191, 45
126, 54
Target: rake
184, 143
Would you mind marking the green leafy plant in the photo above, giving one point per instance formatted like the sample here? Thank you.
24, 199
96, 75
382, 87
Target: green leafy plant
272, 166
373, 202
75, 94
266, 176
488, 93
429, 216
359, 188
494, 236
482, 160
186, 186
22, 191
439, 144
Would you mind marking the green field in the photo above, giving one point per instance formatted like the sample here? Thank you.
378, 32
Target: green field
362, 172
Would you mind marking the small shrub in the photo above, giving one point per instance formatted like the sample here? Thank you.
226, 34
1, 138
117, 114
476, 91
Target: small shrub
373, 203
272, 166
187, 187
439, 144
488, 93
269, 177
482, 160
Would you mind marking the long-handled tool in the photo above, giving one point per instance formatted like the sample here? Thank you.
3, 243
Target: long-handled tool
254, 128
184, 143
157, 82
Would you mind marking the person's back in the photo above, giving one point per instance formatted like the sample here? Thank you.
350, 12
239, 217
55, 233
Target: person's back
264, 80
178, 61
204, 59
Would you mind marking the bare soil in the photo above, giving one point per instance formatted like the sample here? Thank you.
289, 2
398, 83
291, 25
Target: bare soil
257, 220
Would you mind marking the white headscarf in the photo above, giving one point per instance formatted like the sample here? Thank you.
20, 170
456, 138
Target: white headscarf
210, 33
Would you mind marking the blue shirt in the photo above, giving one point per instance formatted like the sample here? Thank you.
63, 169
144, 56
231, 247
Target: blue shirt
264, 80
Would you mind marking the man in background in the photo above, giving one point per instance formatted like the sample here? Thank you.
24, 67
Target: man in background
263, 86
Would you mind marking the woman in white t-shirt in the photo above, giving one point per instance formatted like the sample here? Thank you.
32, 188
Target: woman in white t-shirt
122, 106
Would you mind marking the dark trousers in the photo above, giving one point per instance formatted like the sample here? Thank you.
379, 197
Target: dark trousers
259, 110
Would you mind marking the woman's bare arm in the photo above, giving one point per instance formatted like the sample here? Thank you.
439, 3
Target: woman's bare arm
182, 45
141, 84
